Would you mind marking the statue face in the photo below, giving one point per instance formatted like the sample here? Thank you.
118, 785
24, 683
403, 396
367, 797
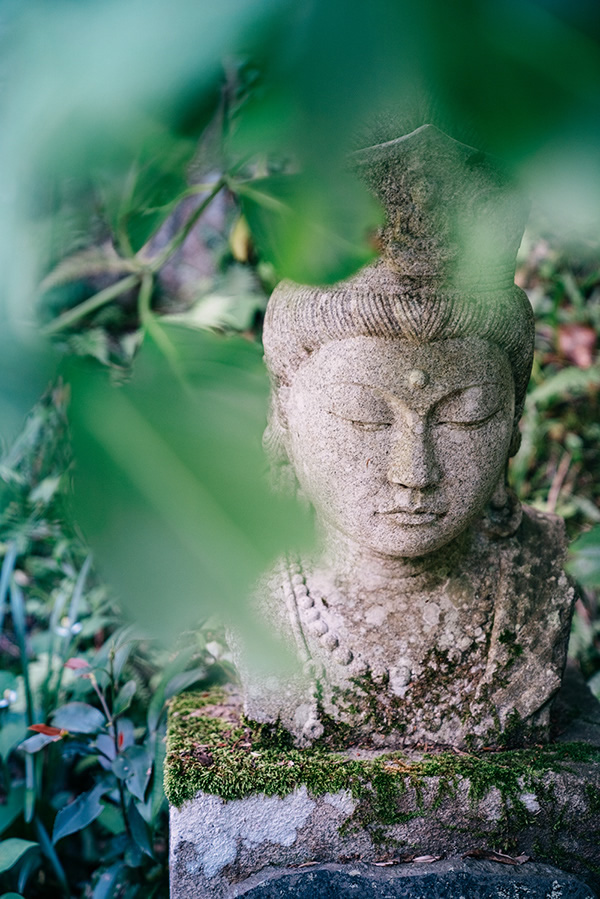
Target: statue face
400, 446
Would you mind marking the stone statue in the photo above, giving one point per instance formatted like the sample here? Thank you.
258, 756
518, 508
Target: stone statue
435, 610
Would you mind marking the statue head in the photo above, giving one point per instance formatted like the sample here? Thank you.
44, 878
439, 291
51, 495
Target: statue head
396, 395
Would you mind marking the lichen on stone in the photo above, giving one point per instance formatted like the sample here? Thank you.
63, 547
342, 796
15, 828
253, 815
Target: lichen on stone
210, 747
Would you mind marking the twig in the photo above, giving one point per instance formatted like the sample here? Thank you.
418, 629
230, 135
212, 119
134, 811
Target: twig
557, 482
99, 299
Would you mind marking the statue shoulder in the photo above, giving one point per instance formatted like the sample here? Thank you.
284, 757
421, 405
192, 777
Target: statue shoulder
543, 536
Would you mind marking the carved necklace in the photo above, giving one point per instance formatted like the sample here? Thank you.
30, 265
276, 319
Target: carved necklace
307, 613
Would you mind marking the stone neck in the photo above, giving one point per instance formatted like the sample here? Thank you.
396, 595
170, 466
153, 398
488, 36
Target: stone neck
358, 569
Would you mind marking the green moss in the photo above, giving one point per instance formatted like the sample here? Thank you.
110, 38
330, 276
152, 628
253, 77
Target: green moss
592, 794
509, 639
209, 748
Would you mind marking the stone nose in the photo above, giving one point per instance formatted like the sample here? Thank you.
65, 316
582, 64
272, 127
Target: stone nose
413, 462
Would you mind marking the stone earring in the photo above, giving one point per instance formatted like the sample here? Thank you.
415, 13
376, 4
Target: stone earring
503, 513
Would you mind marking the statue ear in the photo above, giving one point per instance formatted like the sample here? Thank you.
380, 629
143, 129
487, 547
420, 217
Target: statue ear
515, 442
503, 513
283, 477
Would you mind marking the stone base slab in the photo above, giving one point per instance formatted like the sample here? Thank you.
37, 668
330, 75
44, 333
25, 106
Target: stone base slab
299, 823
450, 879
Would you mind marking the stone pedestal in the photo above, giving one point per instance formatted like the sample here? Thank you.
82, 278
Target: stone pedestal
251, 815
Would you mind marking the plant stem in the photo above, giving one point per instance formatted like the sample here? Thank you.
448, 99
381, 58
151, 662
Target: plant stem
71, 316
113, 732
50, 853
157, 263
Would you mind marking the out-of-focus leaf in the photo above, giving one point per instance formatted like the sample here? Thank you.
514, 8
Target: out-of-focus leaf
124, 697
26, 369
38, 741
81, 812
175, 668
13, 806
8, 565
183, 681
139, 829
584, 562
170, 483
312, 232
79, 717
12, 850
91, 262
157, 793
12, 732
140, 199
107, 881
112, 819
134, 766
566, 382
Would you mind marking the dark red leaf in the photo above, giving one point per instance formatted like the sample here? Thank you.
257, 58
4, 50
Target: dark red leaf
47, 730
577, 343
76, 664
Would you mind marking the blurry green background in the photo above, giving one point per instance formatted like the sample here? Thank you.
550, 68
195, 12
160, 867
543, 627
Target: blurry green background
128, 125
162, 166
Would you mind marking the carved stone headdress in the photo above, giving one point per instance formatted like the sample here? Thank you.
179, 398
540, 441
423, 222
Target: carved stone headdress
453, 225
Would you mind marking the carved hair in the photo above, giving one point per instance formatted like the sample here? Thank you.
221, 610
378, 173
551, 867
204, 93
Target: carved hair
376, 303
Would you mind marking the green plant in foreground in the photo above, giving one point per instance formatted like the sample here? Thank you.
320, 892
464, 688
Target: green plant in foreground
82, 698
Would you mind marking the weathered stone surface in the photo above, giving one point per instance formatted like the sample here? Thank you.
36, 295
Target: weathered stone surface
312, 807
433, 610
443, 880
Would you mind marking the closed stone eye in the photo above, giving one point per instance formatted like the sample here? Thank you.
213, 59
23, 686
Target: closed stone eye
371, 425
467, 425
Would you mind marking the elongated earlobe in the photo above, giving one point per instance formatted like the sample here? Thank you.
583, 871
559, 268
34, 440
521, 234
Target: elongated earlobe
504, 512
515, 442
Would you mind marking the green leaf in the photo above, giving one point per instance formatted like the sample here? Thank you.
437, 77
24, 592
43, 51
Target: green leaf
182, 681
112, 819
313, 230
139, 829
134, 766
79, 718
138, 202
568, 382
12, 807
12, 850
584, 563
106, 883
170, 484
36, 742
123, 700
26, 366
175, 668
85, 809
157, 792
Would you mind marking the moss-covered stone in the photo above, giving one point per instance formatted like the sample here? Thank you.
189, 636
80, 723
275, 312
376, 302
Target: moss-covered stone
211, 748
542, 801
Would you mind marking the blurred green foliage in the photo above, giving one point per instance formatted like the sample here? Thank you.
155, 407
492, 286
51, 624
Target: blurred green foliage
162, 165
